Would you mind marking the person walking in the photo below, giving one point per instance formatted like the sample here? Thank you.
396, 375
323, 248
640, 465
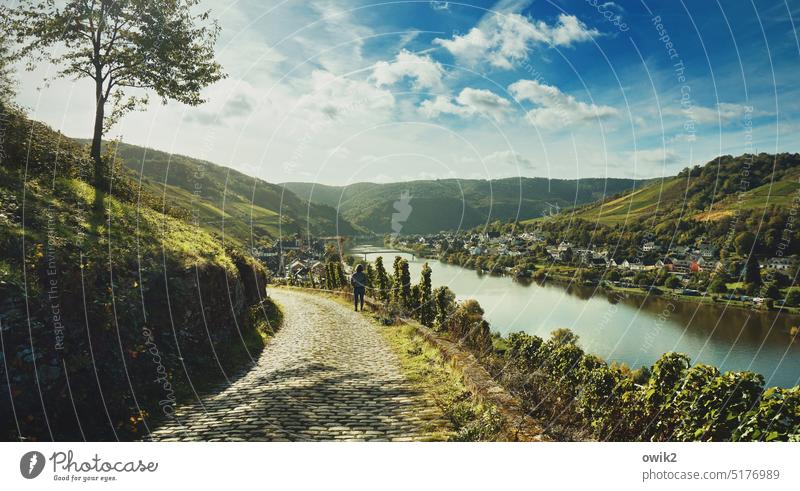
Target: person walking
359, 283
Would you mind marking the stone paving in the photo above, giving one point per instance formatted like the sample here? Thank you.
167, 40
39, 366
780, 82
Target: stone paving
327, 375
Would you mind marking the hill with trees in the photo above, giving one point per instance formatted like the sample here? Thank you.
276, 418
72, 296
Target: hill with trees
244, 209
453, 204
714, 203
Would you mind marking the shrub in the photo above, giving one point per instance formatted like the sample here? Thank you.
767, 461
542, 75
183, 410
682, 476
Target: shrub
715, 404
775, 418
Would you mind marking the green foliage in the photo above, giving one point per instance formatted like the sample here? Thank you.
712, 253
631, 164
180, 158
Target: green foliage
718, 286
672, 282
523, 350
793, 298
164, 47
401, 283
381, 280
599, 399
444, 300
772, 291
713, 405
427, 309
6, 78
744, 243
775, 418
752, 273
466, 324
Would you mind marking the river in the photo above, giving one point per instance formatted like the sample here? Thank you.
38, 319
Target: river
634, 330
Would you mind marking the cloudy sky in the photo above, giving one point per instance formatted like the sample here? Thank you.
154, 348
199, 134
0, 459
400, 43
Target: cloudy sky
345, 91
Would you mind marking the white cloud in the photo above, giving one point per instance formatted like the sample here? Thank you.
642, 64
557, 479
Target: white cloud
468, 103
339, 97
725, 112
426, 73
339, 28
654, 157
228, 100
504, 38
507, 158
556, 109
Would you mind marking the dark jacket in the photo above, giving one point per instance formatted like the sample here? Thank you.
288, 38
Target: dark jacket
358, 280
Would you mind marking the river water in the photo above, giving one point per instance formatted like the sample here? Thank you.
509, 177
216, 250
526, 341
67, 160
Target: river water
634, 330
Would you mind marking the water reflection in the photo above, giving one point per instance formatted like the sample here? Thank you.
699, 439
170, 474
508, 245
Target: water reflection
627, 328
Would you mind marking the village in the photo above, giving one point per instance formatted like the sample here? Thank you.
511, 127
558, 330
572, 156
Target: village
687, 269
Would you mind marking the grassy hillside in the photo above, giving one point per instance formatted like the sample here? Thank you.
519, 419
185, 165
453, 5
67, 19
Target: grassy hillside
226, 202
110, 315
717, 190
450, 204
715, 203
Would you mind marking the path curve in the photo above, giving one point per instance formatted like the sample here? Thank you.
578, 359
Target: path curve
327, 375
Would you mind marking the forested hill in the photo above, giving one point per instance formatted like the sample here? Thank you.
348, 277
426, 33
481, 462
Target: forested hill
713, 203
451, 204
712, 191
217, 196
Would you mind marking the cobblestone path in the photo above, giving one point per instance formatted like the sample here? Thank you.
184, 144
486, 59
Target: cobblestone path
327, 375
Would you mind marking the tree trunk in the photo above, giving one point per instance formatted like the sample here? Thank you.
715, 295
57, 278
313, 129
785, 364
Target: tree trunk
97, 141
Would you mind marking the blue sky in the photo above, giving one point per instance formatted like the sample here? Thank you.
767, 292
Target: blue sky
337, 92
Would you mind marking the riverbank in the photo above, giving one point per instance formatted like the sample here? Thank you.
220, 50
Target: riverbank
567, 275
623, 325
580, 396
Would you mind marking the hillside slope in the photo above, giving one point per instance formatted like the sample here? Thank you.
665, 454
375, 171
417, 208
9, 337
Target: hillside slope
450, 204
245, 209
714, 203
109, 315
720, 188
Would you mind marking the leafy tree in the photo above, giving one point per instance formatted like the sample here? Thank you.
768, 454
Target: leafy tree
330, 277
561, 360
793, 298
781, 280
414, 300
427, 310
341, 280
397, 281
613, 274
405, 282
752, 272
444, 300
718, 286
6, 79
744, 243
673, 282
563, 336
164, 47
772, 291
381, 280
642, 279
369, 270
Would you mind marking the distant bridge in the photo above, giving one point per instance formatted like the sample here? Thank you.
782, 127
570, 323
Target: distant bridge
383, 251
